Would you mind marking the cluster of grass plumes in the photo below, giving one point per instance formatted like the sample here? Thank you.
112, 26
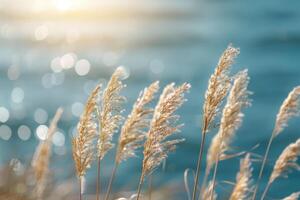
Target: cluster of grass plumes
144, 127
150, 129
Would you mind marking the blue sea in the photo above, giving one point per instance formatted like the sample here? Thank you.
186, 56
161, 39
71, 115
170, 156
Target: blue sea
50, 59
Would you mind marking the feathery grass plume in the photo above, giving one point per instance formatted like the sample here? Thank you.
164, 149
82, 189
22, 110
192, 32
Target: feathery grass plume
82, 143
242, 187
294, 196
109, 117
163, 124
218, 87
208, 191
110, 111
231, 119
289, 108
286, 161
83, 150
132, 132
40, 161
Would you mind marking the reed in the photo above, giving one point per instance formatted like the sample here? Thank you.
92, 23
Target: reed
208, 192
242, 188
290, 108
286, 161
163, 124
230, 122
218, 87
109, 117
82, 143
133, 131
41, 158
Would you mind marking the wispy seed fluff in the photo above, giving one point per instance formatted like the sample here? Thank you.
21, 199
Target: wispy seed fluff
109, 112
208, 193
286, 161
133, 130
289, 108
242, 189
82, 143
40, 161
294, 196
163, 124
218, 87
231, 118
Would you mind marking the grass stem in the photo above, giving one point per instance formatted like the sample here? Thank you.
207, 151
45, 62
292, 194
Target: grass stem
199, 165
112, 177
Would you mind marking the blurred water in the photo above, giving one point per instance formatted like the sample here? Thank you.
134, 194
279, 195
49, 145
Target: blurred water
170, 41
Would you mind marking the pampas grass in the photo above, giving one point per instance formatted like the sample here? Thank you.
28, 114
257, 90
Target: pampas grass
289, 108
243, 183
151, 129
41, 158
82, 143
286, 161
218, 87
133, 130
231, 120
109, 116
163, 124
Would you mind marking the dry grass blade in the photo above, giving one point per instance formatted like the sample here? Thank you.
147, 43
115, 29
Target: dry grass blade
163, 124
40, 162
208, 192
243, 187
286, 161
110, 112
294, 196
289, 108
218, 86
83, 150
231, 119
132, 133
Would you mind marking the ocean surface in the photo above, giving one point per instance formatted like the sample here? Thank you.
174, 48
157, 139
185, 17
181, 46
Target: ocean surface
50, 59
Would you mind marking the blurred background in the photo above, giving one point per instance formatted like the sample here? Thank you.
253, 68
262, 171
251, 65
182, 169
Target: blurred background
53, 52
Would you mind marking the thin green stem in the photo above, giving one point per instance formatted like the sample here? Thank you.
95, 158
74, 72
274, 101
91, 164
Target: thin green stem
112, 177
263, 166
199, 165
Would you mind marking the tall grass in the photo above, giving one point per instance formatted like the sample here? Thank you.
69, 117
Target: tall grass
149, 129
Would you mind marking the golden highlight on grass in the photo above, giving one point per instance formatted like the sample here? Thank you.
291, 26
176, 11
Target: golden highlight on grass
208, 192
163, 124
82, 143
41, 158
286, 161
109, 116
242, 188
133, 131
231, 120
110, 111
218, 87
